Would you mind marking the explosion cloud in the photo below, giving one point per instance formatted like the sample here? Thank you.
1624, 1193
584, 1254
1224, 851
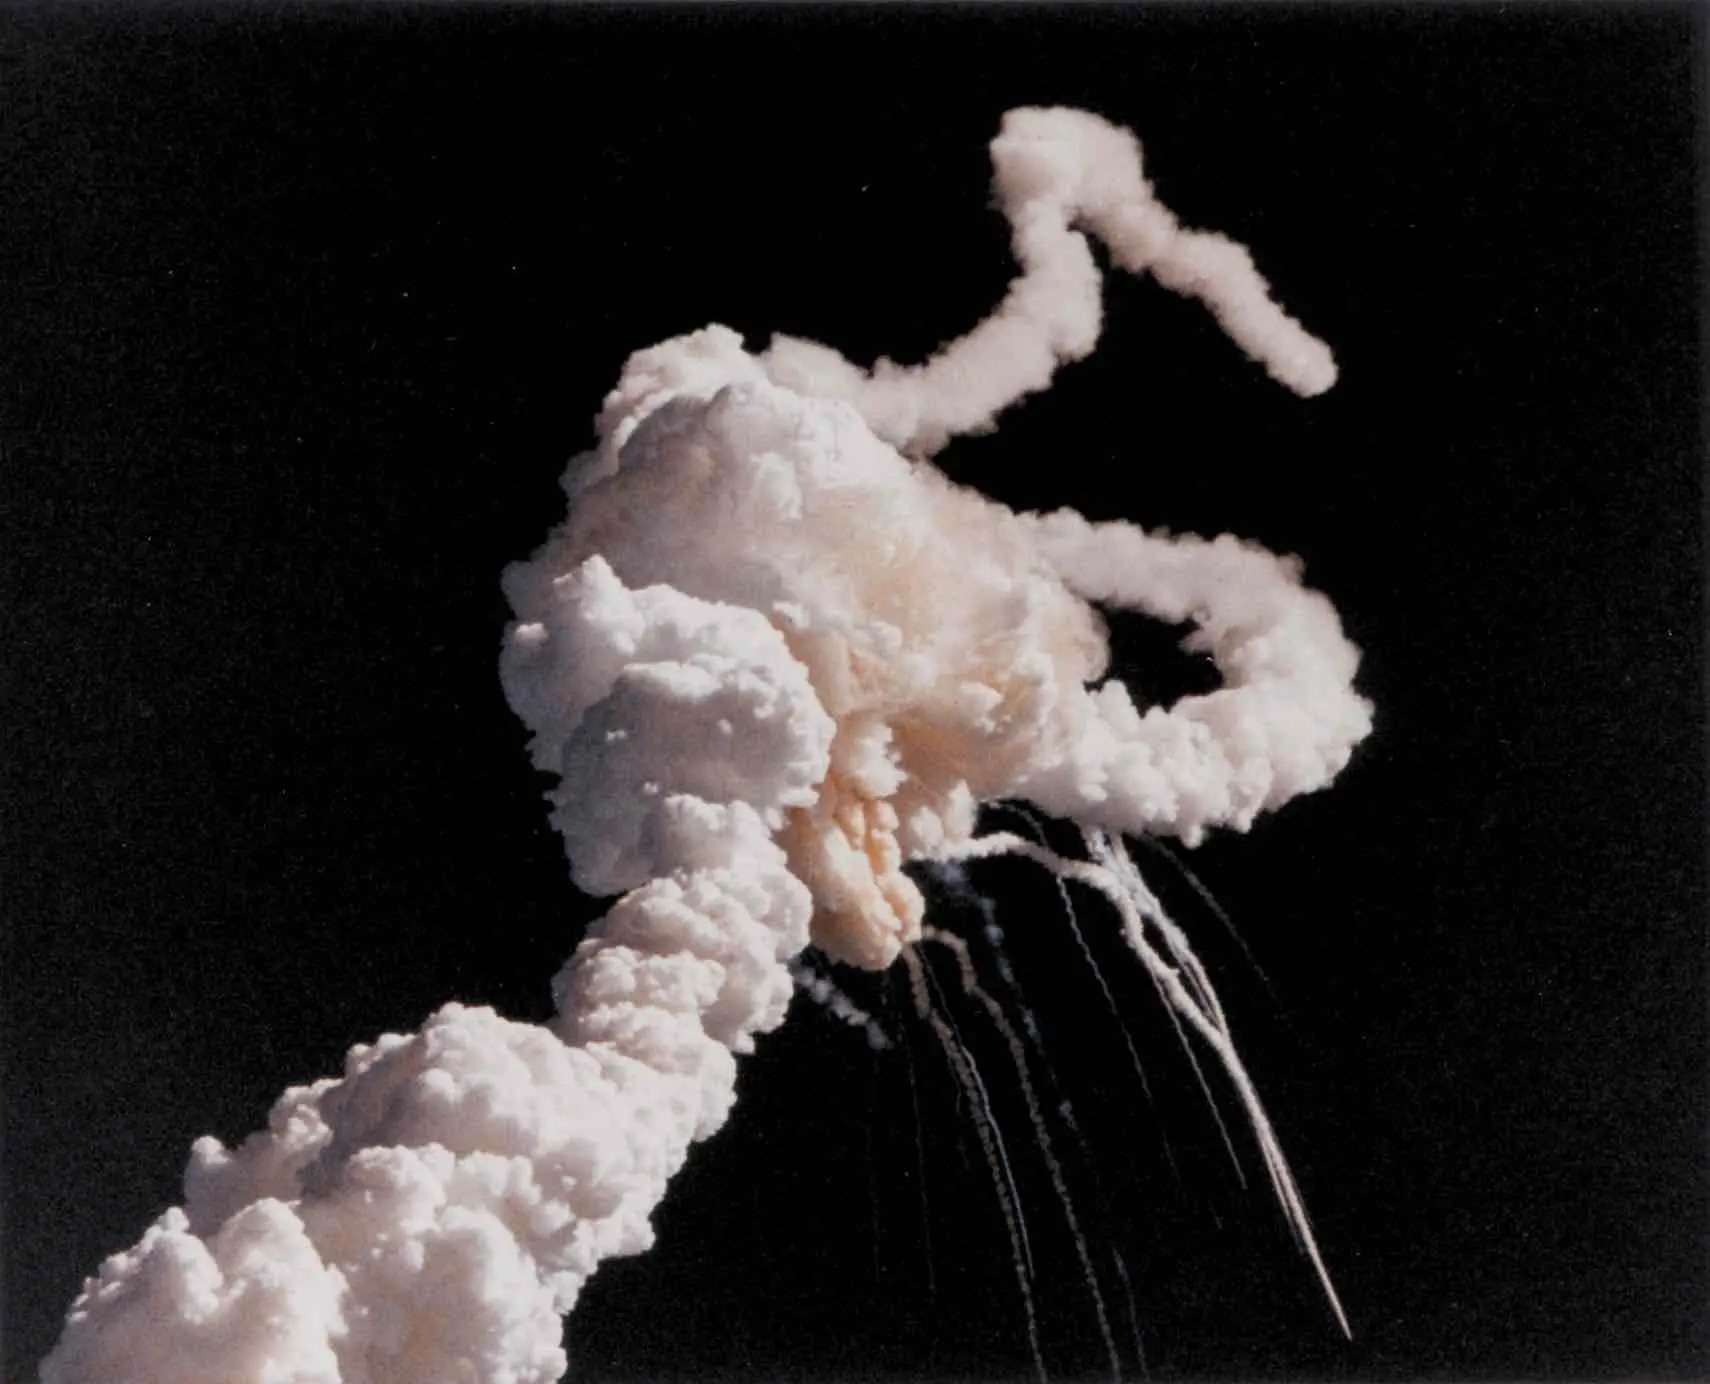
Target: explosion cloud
772, 655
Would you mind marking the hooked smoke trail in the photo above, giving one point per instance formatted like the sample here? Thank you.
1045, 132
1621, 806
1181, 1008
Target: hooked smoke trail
771, 661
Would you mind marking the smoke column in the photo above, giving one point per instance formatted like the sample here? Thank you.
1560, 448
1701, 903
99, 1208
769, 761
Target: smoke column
772, 655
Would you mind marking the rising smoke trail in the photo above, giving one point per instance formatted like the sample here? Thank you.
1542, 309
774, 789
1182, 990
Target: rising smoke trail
771, 661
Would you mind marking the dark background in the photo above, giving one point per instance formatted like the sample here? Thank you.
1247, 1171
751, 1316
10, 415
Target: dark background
302, 314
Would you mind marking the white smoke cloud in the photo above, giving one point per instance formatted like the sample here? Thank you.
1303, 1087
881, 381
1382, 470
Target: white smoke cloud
771, 660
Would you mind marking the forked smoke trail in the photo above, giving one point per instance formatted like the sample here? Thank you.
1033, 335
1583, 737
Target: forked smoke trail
1054, 170
771, 661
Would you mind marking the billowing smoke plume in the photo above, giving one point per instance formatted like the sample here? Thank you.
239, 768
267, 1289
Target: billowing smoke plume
771, 660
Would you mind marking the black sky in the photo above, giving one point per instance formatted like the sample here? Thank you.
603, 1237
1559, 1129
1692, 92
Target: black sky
301, 314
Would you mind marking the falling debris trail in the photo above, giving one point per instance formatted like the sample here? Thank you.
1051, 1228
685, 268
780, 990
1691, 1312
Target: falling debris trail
1041, 1132
1208, 1024
920, 1177
1181, 868
1122, 866
824, 992
990, 1135
772, 655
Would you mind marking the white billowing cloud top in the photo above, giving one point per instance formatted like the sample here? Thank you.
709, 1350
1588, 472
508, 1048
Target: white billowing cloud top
772, 655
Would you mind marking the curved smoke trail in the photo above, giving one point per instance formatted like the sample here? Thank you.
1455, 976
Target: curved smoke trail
771, 660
